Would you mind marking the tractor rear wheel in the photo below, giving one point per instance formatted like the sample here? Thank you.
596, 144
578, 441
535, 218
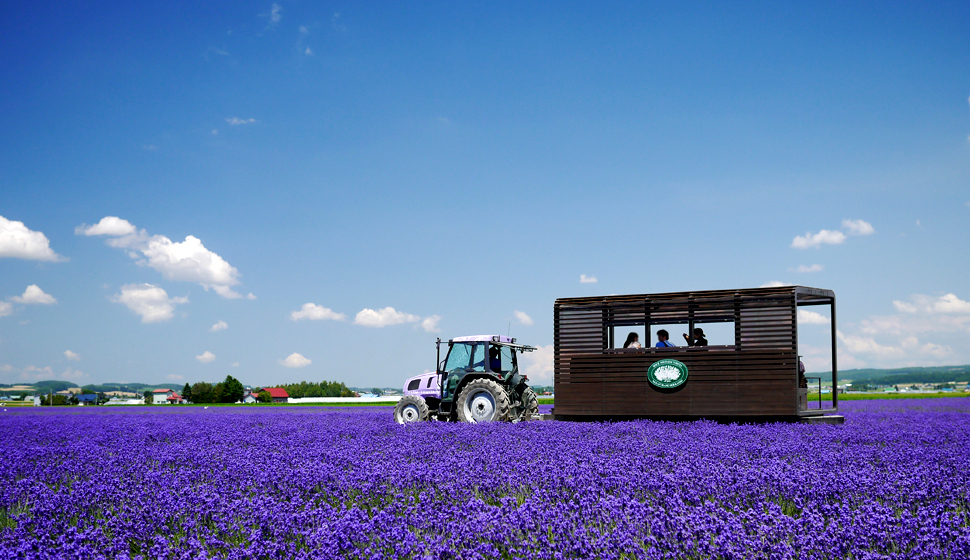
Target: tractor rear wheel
530, 404
483, 400
411, 408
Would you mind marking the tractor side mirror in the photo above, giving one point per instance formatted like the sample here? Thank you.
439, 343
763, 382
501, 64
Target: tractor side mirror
441, 366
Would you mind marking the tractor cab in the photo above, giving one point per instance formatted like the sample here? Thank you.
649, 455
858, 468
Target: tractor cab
478, 357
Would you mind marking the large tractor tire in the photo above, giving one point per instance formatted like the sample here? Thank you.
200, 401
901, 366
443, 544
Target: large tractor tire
411, 408
530, 404
483, 400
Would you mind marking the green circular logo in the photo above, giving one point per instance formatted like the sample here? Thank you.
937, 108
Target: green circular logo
667, 374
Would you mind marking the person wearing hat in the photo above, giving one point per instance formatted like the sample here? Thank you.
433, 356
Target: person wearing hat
698, 338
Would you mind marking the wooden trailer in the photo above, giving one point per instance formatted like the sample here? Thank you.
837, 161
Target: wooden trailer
755, 376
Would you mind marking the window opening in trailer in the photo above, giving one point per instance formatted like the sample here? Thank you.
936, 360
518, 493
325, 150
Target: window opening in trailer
815, 354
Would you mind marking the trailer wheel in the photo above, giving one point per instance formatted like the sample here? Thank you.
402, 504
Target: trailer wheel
530, 404
411, 408
483, 400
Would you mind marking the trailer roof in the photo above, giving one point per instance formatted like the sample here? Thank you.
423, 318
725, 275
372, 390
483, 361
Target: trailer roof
803, 295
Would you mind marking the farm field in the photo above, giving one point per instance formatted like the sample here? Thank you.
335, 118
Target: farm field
287, 482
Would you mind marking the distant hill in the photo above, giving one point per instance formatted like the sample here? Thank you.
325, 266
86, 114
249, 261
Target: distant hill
940, 374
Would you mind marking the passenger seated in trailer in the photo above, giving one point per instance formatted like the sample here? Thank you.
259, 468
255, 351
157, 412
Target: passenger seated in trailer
698, 338
632, 341
663, 340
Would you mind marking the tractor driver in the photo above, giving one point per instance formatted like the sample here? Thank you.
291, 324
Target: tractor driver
495, 358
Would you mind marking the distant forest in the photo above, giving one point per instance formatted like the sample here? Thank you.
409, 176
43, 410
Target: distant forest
941, 374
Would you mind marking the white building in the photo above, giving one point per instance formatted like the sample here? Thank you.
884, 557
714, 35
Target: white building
160, 396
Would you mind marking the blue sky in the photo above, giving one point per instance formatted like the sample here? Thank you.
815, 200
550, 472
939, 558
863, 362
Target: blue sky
293, 190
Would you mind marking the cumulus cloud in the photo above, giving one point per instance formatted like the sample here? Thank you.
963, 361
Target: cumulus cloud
186, 261
295, 360
949, 304
308, 52
275, 13
34, 295
235, 364
5, 309
858, 227
206, 357
149, 301
72, 356
583, 279
811, 268
824, 237
73, 374
774, 284
220, 326
109, 225
237, 121
523, 318
430, 324
539, 365
314, 312
384, 317
19, 242
807, 317
866, 345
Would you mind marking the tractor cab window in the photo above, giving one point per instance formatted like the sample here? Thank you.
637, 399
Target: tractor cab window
504, 360
459, 357
478, 358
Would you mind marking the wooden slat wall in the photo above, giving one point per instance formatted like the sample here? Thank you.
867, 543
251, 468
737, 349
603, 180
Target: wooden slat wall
757, 376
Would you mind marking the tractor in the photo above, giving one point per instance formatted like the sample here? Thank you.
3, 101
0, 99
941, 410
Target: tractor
478, 381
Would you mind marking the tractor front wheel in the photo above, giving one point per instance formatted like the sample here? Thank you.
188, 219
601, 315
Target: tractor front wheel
411, 408
483, 400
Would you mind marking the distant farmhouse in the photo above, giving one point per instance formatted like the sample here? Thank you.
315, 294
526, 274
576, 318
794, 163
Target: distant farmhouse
166, 396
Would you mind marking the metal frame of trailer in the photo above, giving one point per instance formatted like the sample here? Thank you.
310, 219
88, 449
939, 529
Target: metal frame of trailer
755, 378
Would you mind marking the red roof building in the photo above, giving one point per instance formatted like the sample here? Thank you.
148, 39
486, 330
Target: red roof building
278, 393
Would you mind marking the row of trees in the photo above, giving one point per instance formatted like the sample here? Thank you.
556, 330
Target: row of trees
322, 389
231, 390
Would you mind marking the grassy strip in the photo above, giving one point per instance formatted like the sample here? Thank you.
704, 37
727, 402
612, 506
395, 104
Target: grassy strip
877, 396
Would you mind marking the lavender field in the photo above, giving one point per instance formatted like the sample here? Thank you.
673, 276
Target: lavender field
165, 482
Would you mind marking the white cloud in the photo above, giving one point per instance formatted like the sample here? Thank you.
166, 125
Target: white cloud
384, 317
175, 377
5, 309
811, 318
72, 356
149, 301
73, 374
109, 225
430, 324
34, 373
235, 364
812, 268
295, 360
308, 52
186, 261
824, 237
583, 279
19, 242
34, 295
237, 121
220, 326
867, 345
858, 227
275, 14
304, 29
523, 318
539, 365
206, 357
949, 304
314, 312
774, 284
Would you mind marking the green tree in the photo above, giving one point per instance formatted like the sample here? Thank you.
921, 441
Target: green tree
59, 400
187, 393
202, 393
232, 390
148, 396
264, 396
